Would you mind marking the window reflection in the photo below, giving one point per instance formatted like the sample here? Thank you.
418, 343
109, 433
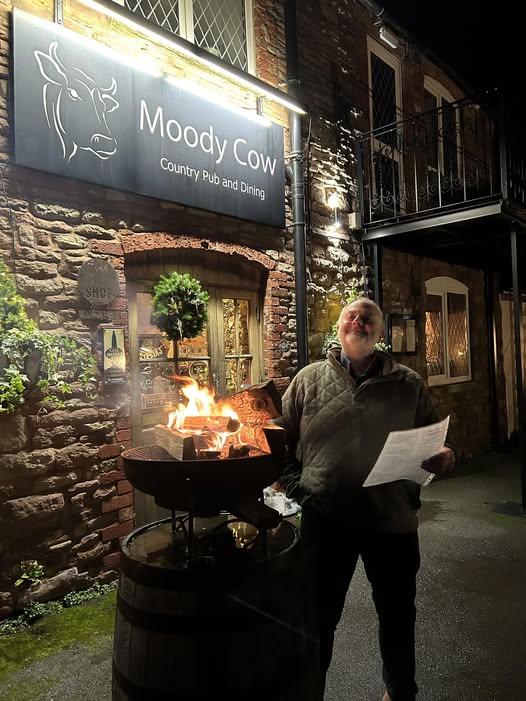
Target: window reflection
238, 367
434, 335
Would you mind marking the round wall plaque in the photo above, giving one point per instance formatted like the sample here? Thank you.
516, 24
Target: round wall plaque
98, 282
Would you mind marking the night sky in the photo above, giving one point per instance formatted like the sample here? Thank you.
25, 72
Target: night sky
486, 48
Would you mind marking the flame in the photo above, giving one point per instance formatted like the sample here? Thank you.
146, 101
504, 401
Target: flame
201, 402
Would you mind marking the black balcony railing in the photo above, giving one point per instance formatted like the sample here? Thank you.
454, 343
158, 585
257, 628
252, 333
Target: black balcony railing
444, 159
514, 156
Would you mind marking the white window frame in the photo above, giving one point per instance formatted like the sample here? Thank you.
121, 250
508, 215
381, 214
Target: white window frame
373, 47
440, 93
440, 286
186, 28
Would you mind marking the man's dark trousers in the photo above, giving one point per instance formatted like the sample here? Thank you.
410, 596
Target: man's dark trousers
391, 562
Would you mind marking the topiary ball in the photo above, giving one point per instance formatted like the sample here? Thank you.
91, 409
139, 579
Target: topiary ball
179, 306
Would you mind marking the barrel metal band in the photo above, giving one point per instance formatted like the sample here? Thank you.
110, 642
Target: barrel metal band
244, 619
266, 689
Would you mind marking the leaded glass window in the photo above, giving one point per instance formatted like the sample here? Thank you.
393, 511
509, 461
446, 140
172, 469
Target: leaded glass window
457, 334
434, 336
383, 86
222, 27
238, 358
386, 138
164, 13
447, 331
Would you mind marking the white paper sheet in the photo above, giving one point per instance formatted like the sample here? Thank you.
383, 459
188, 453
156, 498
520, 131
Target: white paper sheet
403, 453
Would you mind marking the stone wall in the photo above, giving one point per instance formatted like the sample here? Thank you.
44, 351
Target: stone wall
64, 499
330, 70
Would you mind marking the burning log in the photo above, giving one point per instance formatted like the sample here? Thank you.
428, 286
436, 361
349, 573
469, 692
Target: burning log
217, 424
276, 439
255, 405
267, 438
180, 445
205, 430
238, 451
208, 454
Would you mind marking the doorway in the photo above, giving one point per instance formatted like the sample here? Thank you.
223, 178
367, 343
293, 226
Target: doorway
227, 356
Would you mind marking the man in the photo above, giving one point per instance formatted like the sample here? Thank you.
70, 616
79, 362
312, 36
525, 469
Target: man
338, 413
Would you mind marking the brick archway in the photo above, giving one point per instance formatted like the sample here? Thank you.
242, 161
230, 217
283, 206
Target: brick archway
277, 290
135, 243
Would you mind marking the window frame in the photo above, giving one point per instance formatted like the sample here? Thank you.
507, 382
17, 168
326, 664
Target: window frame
186, 29
441, 286
216, 338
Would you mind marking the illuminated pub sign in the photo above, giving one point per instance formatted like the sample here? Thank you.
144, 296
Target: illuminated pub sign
83, 111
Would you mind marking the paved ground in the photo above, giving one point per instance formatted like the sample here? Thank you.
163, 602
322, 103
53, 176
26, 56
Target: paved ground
471, 639
472, 609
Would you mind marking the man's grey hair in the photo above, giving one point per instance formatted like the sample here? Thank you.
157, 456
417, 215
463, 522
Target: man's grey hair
366, 302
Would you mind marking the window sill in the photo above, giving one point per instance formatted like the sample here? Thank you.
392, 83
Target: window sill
445, 381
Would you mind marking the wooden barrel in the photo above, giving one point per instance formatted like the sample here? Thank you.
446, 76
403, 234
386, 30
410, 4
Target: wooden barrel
229, 630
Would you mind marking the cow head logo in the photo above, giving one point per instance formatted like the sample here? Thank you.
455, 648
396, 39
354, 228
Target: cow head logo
76, 107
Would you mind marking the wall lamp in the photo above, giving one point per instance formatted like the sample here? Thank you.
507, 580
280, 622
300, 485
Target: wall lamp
333, 201
388, 37
196, 53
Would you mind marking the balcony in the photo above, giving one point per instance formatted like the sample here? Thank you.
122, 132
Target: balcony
451, 159
439, 171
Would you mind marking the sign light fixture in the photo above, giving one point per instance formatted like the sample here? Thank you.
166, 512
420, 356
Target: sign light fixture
196, 53
388, 37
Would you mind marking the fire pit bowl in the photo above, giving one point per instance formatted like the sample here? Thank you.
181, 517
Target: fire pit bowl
205, 487
153, 470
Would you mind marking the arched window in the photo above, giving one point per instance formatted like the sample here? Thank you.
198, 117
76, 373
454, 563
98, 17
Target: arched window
448, 353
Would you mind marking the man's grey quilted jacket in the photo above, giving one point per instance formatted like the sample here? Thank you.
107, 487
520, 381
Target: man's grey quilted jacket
337, 431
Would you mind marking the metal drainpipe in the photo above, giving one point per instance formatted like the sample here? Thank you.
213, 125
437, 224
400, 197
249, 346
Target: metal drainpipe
297, 186
517, 318
489, 291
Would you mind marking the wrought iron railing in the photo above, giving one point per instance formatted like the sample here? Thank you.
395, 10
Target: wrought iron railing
514, 151
444, 159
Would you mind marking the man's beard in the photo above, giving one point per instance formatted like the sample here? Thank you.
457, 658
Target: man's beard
361, 343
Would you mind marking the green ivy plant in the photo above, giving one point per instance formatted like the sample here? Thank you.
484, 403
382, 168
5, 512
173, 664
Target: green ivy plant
12, 312
60, 360
331, 338
36, 610
179, 306
31, 572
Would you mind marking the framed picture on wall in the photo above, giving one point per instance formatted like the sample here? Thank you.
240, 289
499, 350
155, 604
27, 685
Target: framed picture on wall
114, 356
400, 331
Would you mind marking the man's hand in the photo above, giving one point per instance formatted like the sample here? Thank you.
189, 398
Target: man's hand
441, 462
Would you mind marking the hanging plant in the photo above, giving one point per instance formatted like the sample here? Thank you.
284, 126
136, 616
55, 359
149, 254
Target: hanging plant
179, 306
30, 357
